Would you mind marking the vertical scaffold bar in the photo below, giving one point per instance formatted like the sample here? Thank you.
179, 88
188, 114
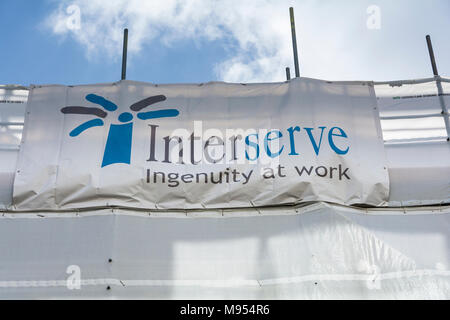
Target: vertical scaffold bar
124, 54
432, 58
288, 74
294, 43
439, 86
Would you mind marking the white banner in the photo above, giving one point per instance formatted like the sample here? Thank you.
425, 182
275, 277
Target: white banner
213, 145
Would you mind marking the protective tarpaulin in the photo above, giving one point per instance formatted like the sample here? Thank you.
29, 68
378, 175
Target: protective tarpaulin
320, 251
13, 101
134, 145
412, 117
412, 112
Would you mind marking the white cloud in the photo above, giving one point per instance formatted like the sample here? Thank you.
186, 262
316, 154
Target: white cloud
333, 38
260, 28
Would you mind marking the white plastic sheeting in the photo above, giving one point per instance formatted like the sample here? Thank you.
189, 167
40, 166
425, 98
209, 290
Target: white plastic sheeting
419, 173
412, 112
320, 252
412, 117
13, 101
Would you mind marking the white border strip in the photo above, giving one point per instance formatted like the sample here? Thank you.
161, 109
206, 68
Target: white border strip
232, 283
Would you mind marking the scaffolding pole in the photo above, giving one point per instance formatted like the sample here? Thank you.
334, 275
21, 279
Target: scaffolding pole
439, 86
294, 43
124, 54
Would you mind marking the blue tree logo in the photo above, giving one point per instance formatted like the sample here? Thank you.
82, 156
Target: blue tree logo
118, 144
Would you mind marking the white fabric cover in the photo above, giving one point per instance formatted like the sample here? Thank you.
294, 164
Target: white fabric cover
320, 252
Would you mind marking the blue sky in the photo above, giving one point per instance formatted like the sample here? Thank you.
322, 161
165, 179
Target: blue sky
175, 41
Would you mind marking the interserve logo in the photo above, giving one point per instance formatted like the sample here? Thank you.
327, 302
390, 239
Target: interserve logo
118, 144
